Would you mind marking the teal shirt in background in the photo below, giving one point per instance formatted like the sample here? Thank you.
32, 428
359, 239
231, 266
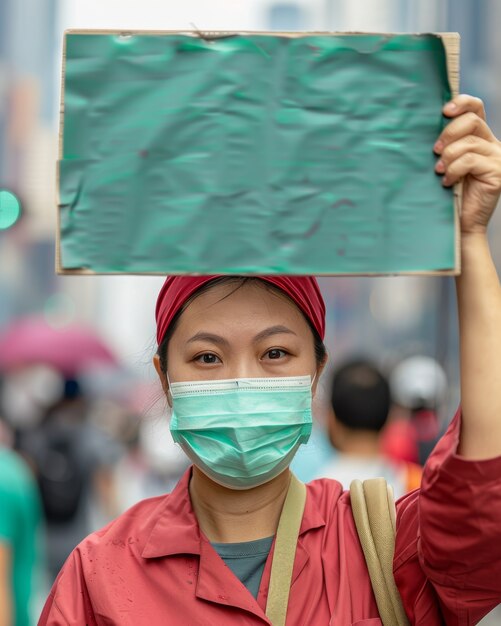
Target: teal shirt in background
20, 528
246, 560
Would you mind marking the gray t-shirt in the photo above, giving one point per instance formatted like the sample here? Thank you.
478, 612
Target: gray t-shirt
246, 560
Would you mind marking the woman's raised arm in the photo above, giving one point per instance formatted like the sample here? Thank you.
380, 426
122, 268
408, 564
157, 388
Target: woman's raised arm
469, 150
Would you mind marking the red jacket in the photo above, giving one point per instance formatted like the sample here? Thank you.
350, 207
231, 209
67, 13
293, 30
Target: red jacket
153, 566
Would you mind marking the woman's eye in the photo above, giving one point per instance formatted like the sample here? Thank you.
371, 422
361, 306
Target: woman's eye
276, 354
207, 358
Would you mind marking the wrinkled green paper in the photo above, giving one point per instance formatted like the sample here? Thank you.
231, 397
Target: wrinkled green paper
254, 154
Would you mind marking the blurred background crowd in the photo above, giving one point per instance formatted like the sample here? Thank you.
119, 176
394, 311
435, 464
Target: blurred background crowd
83, 424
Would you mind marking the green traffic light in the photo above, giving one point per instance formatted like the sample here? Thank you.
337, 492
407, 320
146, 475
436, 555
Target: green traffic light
10, 209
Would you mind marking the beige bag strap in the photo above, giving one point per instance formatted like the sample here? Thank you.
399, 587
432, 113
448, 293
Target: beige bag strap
285, 551
373, 509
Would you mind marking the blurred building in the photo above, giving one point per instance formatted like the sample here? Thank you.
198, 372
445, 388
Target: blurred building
28, 52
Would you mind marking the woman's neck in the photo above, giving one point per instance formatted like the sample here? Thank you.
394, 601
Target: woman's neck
233, 516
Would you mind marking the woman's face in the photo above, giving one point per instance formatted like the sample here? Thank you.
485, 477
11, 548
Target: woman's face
250, 333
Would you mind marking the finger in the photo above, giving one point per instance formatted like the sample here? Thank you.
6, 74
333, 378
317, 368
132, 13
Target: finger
464, 104
466, 124
469, 163
457, 149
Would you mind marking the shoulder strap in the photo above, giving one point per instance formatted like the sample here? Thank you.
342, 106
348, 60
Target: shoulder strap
284, 552
373, 509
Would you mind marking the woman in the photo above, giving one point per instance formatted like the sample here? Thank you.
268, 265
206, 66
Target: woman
159, 563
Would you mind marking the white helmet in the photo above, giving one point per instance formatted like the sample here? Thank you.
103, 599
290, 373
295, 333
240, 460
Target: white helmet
419, 382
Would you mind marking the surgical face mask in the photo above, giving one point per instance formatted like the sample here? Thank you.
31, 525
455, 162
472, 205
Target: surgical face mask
242, 432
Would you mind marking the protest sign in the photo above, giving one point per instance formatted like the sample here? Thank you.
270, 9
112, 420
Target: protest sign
255, 153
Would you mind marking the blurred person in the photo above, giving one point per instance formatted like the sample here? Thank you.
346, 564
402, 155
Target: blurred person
74, 463
26, 394
21, 543
50, 416
111, 414
419, 389
239, 360
131, 470
125, 407
361, 403
72, 459
312, 457
152, 463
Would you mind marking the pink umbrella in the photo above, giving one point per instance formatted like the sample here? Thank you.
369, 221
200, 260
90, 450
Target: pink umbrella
70, 349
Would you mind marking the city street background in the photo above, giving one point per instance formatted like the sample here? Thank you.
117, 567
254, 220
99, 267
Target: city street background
386, 319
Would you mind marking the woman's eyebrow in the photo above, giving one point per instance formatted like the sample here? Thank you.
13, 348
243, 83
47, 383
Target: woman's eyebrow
264, 334
273, 330
204, 336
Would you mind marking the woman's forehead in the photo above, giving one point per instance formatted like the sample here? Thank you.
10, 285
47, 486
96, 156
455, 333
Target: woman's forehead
178, 291
251, 303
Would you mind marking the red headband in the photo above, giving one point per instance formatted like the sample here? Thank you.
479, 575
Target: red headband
303, 290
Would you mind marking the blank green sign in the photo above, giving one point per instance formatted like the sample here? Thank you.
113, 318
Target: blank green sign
254, 154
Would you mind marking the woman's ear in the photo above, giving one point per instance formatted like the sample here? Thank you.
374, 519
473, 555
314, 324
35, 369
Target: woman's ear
163, 379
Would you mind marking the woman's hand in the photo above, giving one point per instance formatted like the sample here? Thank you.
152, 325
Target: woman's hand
468, 150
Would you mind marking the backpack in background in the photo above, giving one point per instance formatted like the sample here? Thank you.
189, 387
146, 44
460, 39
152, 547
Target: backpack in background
61, 476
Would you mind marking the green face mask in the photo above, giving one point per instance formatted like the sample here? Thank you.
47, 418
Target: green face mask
242, 432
